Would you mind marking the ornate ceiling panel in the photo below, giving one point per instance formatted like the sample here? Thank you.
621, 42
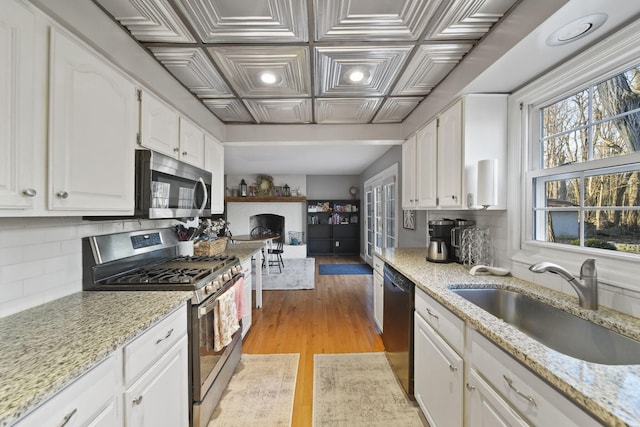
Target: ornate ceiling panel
308, 61
396, 109
280, 110
192, 67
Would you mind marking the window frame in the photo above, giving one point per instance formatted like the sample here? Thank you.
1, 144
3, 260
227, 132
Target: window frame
614, 54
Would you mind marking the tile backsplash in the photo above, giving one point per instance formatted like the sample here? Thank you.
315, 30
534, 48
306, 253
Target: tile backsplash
41, 258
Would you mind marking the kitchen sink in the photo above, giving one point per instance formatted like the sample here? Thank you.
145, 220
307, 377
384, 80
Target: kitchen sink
555, 328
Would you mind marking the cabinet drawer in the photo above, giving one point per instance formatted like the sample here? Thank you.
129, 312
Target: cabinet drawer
378, 265
447, 324
539, 403
154, 343
90, 400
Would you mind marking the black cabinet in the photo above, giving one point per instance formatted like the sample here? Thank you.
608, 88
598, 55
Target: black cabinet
333, 227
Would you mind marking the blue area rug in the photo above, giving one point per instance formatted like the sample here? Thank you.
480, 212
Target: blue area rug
326, 269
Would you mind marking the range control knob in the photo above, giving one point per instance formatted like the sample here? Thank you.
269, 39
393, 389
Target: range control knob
216, 284
234, 270
208, 289
226, 276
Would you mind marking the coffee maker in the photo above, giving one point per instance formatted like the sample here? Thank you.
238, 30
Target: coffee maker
440, 249
456, 237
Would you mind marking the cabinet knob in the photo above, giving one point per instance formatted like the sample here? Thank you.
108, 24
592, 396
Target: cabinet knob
137, 400
470, 387
452, 368
184, 153
176, 150
29, 192
62, 194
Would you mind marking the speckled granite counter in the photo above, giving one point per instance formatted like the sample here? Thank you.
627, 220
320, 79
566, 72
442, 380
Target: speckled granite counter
45, 347
243, 250
611, 393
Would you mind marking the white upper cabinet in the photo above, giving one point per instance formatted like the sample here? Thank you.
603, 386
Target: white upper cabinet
159, 126
93, 121
447, 150
191, 143
449, 182
426, 167
214, 163
18, 187
409, 173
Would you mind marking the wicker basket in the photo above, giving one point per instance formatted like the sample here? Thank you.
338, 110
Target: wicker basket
211, 248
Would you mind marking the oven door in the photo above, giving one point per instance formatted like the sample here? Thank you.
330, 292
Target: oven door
207, 361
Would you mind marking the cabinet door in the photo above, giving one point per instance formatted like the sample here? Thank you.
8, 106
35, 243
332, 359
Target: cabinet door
161, 396
214, 163
426, 168
17, 64
450, 157
92, 128
409, 173
486, 408
438, 376
378, 299
159, 126
88, 401
191, 143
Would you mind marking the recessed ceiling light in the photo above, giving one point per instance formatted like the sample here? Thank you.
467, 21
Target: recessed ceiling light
577, 29
356, 76
268, 78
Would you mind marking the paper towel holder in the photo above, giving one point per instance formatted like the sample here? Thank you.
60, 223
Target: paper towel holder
487, 183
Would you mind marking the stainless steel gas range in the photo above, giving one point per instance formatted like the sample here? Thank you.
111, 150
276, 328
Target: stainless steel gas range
148, 260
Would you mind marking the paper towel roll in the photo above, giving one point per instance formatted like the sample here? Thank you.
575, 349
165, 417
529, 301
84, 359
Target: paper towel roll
487, 182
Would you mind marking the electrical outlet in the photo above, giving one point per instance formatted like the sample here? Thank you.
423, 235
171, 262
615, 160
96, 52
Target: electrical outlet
337, 244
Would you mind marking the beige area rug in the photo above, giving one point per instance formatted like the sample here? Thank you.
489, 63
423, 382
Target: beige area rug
260, 392
359, 389
298, 273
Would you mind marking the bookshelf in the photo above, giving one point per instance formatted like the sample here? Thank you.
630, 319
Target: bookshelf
333, 227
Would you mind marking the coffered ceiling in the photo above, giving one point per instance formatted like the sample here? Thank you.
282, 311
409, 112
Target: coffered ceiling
308, 61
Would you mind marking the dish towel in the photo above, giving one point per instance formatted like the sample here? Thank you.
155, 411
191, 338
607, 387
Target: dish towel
226, 319
239, 288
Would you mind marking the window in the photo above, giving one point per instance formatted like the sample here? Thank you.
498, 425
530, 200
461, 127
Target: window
585, 174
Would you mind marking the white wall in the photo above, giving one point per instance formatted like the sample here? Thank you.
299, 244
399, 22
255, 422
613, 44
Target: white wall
41, 258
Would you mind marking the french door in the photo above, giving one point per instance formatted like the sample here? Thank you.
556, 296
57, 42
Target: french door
381, 224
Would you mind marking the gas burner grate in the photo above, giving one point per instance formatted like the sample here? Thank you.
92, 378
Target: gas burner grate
164, 275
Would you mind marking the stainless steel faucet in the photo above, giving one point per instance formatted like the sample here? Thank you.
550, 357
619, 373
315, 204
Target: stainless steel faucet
586, 286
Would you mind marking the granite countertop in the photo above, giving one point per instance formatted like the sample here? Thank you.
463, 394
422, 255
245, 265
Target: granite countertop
610, 392
44, 348
243, 250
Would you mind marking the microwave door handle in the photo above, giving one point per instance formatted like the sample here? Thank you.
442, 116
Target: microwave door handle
206, 196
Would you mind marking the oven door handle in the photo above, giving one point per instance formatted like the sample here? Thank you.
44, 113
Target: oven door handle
206, 309
206, 195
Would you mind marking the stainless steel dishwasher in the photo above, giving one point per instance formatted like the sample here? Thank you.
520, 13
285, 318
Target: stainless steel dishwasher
397, 326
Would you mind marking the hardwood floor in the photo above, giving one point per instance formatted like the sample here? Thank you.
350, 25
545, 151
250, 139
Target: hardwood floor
335, 317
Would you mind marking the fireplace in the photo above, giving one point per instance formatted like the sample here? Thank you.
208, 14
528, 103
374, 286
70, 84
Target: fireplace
269, 223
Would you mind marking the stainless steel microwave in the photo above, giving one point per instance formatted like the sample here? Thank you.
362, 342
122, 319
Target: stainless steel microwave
169, 188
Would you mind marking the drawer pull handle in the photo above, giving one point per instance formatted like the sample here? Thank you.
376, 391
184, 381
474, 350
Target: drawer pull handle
518, 392
62, 194
29, 192
470, 387
431, 314
137, 400
165, 337
452, 368
68, 417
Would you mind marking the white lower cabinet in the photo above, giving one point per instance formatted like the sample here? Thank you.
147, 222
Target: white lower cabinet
144, 383
462, 378
515, 388
485, 407
88, 401
247, 300
378, 292
438, 377
160, 396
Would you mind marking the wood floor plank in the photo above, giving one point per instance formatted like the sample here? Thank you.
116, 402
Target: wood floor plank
334, 317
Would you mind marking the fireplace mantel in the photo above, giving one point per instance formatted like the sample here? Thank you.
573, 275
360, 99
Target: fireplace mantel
270, 199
